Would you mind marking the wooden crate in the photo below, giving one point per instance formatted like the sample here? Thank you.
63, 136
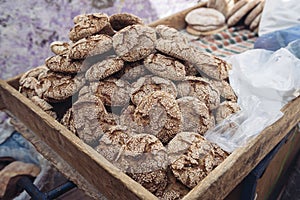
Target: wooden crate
93, 173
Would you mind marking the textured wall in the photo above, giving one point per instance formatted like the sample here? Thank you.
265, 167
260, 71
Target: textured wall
27, 27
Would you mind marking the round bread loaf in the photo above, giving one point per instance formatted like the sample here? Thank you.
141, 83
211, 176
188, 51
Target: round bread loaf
192, 157
147, 84
160, 115
144, 158
196, 115
210, 65
205, 17
134, 42
121, 20
90, 46
169, 33
175, 48
28, 87
29, 81
104, 68
111, 91
132, 71
62, 63
57, 87
87, 111
226, 109
200, 88
87, 25
112, 143
165, 66
127, 119
225, 89
204, 30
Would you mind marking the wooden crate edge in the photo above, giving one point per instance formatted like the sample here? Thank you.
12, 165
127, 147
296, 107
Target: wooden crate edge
64, 143
245, 158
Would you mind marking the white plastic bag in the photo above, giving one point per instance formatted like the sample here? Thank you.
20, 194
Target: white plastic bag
279, 14
264, 82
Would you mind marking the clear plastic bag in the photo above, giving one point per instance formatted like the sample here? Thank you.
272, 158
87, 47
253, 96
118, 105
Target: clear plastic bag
264, 82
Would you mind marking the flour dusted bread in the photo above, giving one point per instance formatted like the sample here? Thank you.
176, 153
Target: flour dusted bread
210, 65
177, 49
87, 113
87, 25
112, 142
200, 88
204, 20
140, 96
90, 46
149, 83
104, 68
225, 89
226, 109
160, 115
63, 64
134, 42
127, 119
192, 157
144, 158
169, 33
119, 21
196, 115
204, 30
57, 87
111, 91
165, 66
205, 17
29, 81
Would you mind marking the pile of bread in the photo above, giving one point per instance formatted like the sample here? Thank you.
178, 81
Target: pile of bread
220, 14
142, 97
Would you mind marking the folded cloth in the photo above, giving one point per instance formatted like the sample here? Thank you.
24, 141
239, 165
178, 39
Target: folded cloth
278, 39
233, 40
6, 129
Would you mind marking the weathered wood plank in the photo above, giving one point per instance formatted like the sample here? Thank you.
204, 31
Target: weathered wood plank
277, 169
219, 183
60, 164
109, 180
